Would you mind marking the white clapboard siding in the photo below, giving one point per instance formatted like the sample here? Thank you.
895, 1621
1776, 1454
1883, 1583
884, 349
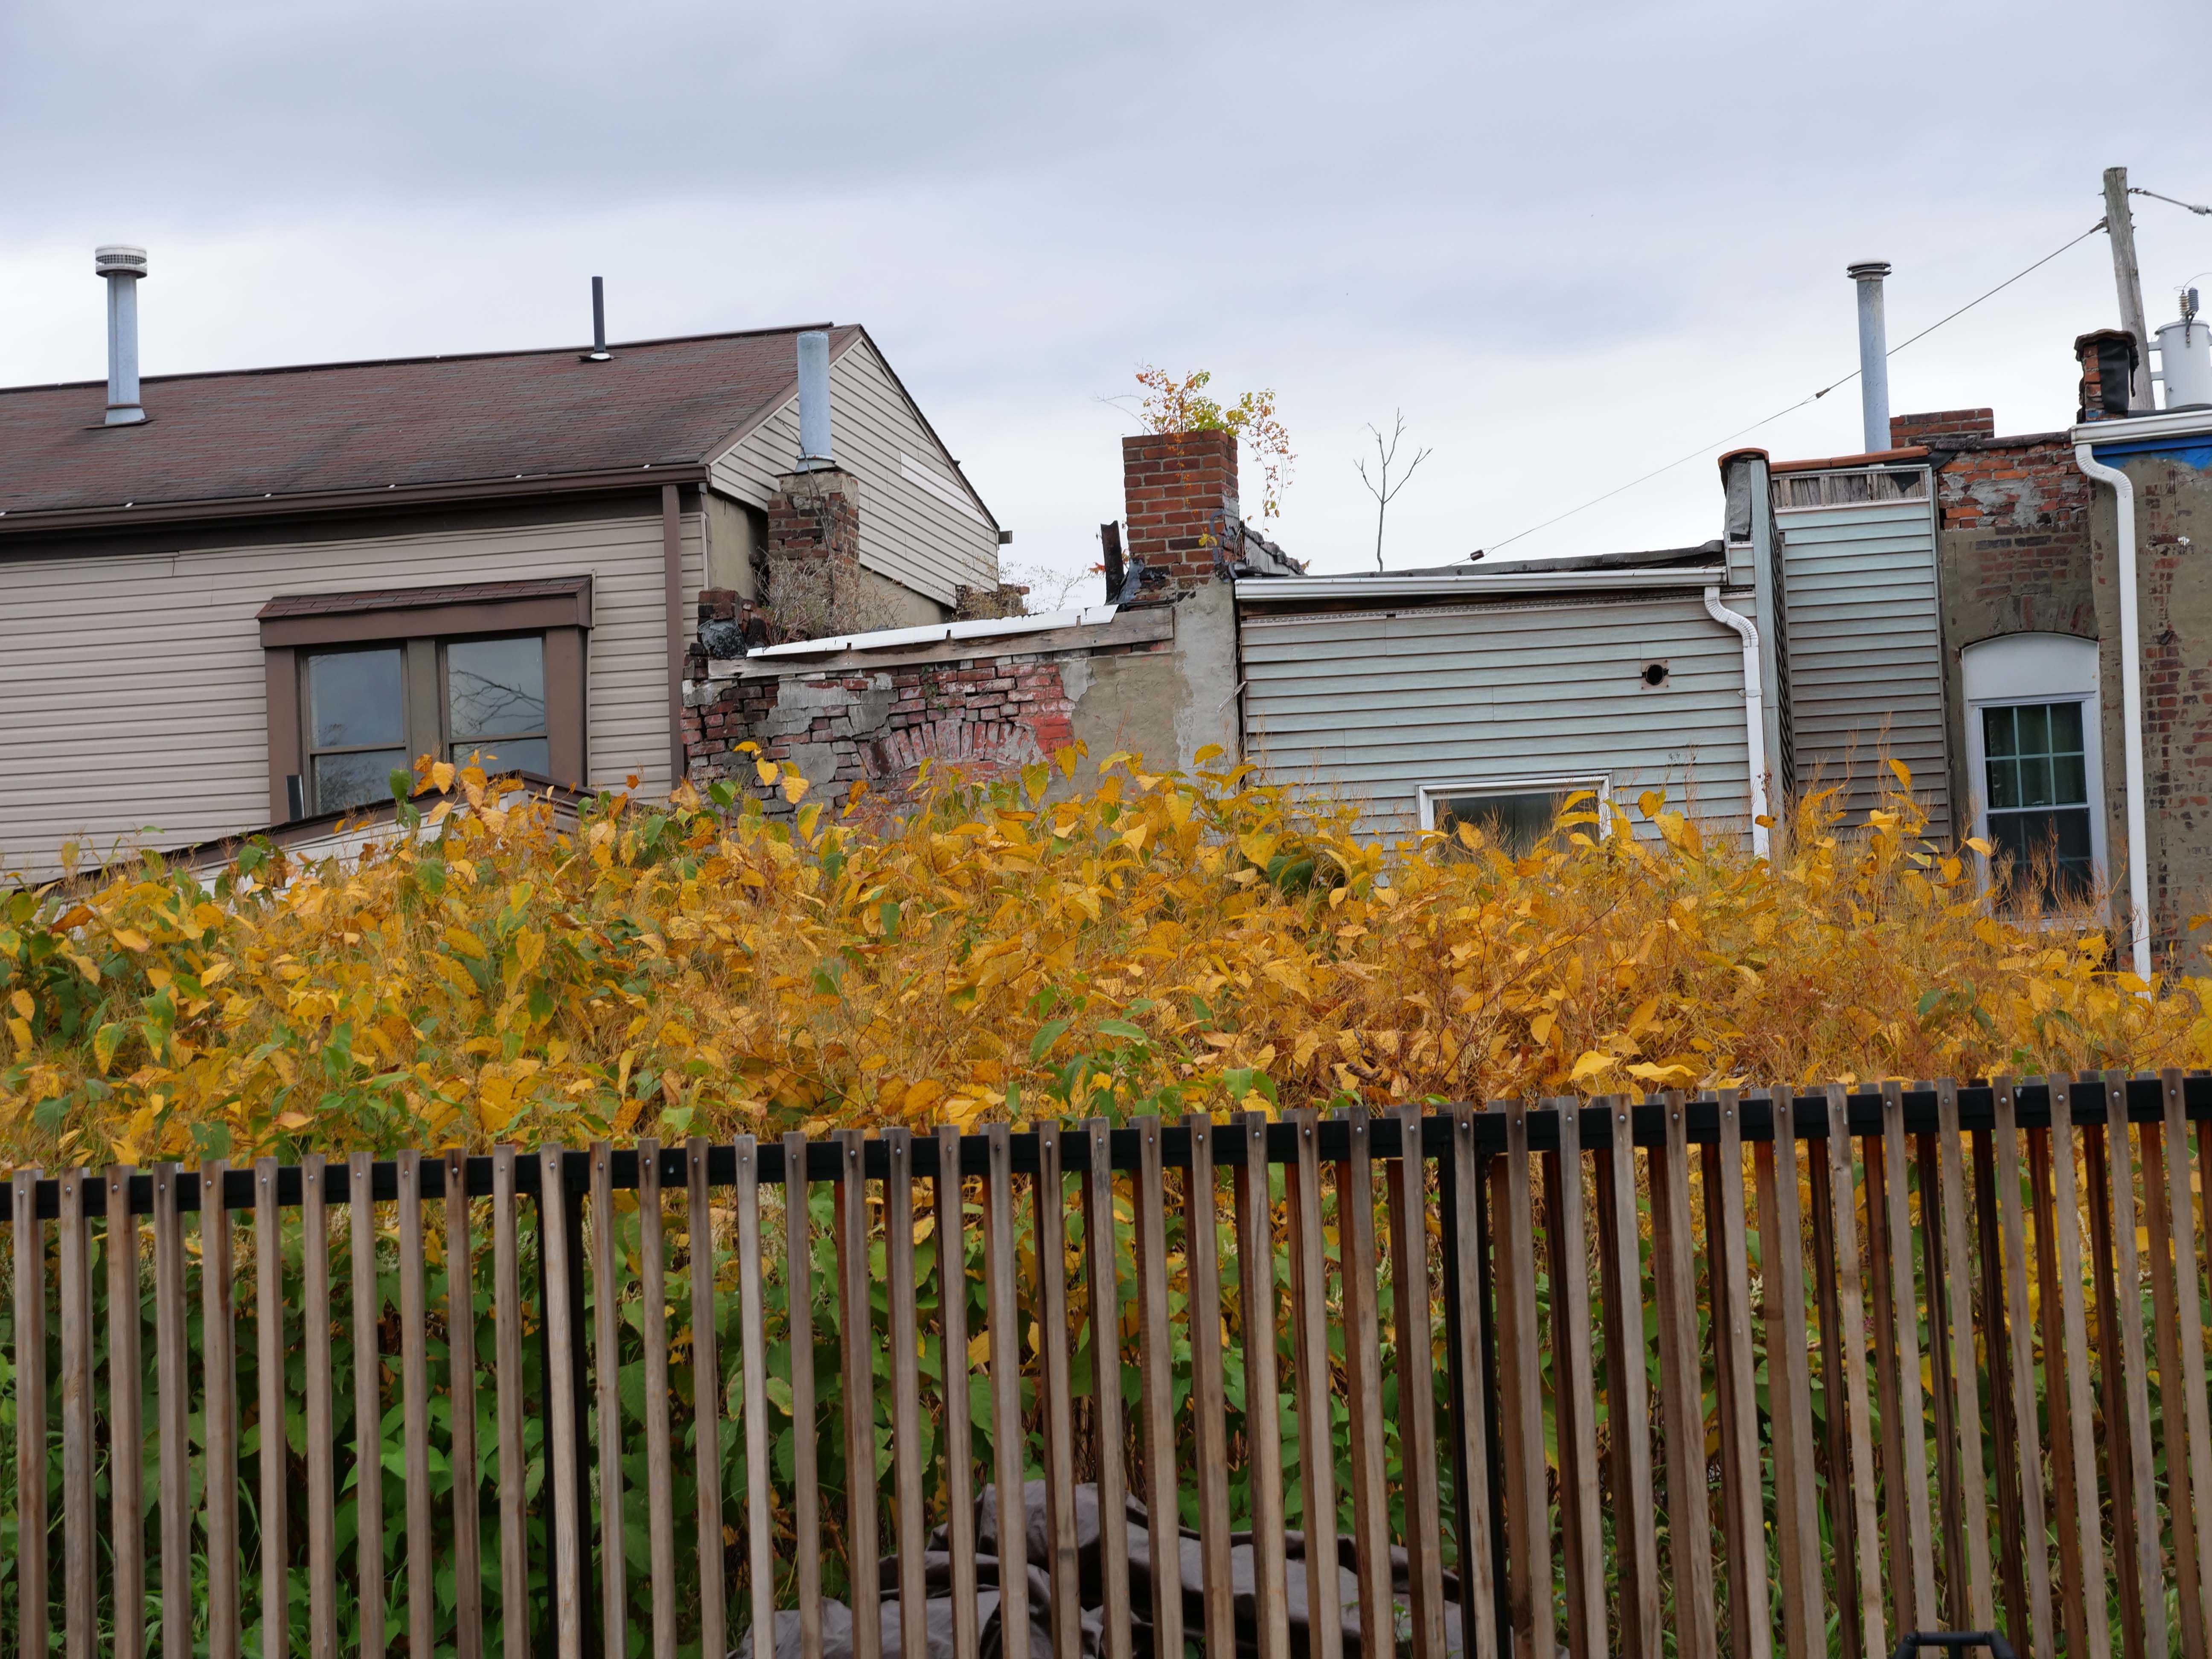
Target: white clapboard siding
1371, 705
132, 697
1866, 652
913, 526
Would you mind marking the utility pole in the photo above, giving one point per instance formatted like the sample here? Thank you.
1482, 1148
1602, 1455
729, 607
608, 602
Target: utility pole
2120, 226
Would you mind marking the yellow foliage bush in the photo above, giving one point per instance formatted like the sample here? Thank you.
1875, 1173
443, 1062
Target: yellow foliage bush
1157, 943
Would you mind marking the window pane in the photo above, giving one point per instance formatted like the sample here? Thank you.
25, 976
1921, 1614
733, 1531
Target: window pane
353, 698
1997, 736
2034, 781
355, 780
2065, 727
2004, 784
2034, 724
495, 687
1514, 821
2047, 852
2070, 780
505, 755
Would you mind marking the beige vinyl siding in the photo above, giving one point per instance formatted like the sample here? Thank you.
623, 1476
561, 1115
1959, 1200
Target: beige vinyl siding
1866, 653
908, 531
133, 696
1370, 706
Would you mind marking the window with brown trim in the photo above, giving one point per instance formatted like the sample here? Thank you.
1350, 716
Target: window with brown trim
362, 684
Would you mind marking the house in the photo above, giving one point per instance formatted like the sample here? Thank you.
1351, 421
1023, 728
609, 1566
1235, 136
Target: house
245, 598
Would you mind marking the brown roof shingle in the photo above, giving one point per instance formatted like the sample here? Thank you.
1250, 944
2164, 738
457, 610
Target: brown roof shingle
409, 423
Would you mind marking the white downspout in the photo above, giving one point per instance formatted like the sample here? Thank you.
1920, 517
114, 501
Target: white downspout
1755, 716
2124, 504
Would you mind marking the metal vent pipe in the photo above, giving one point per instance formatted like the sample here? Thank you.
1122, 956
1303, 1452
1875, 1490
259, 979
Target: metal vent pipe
1874, 353
814, 402
122, 267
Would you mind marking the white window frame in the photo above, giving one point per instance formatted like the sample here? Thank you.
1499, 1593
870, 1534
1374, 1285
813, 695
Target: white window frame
1553, 783
2025, 669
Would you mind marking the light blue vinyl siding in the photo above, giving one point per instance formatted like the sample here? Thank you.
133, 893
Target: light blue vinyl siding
1371, 705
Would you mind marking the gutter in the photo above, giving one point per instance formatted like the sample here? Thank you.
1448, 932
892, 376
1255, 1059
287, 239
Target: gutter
2124, 503
1755, 715
644, 477
1489, 584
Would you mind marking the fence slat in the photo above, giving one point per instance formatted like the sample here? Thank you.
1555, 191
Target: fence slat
560, 1339
2059, 1441
1723, 1322
172, 1402
321, 1447
1782, 1256
1054, 1388
507, 1382
1628, 1395
857, 1344
2129, 1305
1003, 1324
1255, 1315
1477, 1542
268, 1337
1889, 1414
126, 1399
1575, 1388
959, 1433
2181, 1221
1202, 1264
219, 1358
607, 1279
415, 1406
2120, 1474
1850, 1312
1943, 1391
32, 1523
1520, 1399
706, 1380
906, 1385
1751, 1613
368, 1406
80, 1583
2010, 1563
1961, 1450
752, 1362
1107, 1427
1362, 1364
2079, 1406
1681, 1392
461, 1397
1156, 1391
1919, 1542
652, 1310
1310, 1376
2019, 1322
1417, 1383
805, 1416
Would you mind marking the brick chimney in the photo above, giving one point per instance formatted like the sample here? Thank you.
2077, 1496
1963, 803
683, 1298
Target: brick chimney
2107, 357
1179, 490
813, 563
1937, 428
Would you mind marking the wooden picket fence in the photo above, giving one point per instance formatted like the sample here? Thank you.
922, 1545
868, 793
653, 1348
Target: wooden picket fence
1862, 1363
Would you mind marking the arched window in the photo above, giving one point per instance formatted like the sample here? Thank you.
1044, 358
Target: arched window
2034, 766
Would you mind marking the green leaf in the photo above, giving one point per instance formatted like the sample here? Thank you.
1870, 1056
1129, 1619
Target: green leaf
1124, 1030
1047, 1034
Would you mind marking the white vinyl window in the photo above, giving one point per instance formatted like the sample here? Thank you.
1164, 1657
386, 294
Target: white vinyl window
2034, 761
1513, 814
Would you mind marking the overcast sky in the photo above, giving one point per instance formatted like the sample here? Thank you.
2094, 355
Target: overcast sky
1572, 243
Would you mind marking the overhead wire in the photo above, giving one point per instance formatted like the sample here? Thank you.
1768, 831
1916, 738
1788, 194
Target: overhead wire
1769, 420
2194, 207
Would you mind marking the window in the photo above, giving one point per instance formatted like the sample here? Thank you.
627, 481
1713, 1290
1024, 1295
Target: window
1513, 814
2031, 743
362, 684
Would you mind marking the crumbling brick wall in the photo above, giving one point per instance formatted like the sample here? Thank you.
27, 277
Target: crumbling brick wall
989, 716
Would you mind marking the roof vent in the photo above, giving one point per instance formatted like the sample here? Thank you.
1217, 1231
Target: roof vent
122, 267
598, 353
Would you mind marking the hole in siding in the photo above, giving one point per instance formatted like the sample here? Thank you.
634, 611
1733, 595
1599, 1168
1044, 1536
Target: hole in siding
1655, 673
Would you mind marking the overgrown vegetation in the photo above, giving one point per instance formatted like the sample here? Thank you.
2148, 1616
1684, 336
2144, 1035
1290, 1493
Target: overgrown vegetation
1153, 943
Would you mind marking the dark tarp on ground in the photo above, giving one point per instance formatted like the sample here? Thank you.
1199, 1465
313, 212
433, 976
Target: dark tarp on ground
937, 1567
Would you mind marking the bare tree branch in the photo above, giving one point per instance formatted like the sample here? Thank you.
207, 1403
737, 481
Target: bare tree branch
1380, 487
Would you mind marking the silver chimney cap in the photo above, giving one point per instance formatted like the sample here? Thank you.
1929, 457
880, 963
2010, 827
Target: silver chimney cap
122, 266
1874, 354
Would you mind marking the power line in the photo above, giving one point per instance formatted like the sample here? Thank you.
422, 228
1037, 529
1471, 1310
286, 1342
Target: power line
1815, 397
2137, 190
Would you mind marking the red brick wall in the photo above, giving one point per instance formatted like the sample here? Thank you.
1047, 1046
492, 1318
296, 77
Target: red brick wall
813, 515
1932, 428
1174, 483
